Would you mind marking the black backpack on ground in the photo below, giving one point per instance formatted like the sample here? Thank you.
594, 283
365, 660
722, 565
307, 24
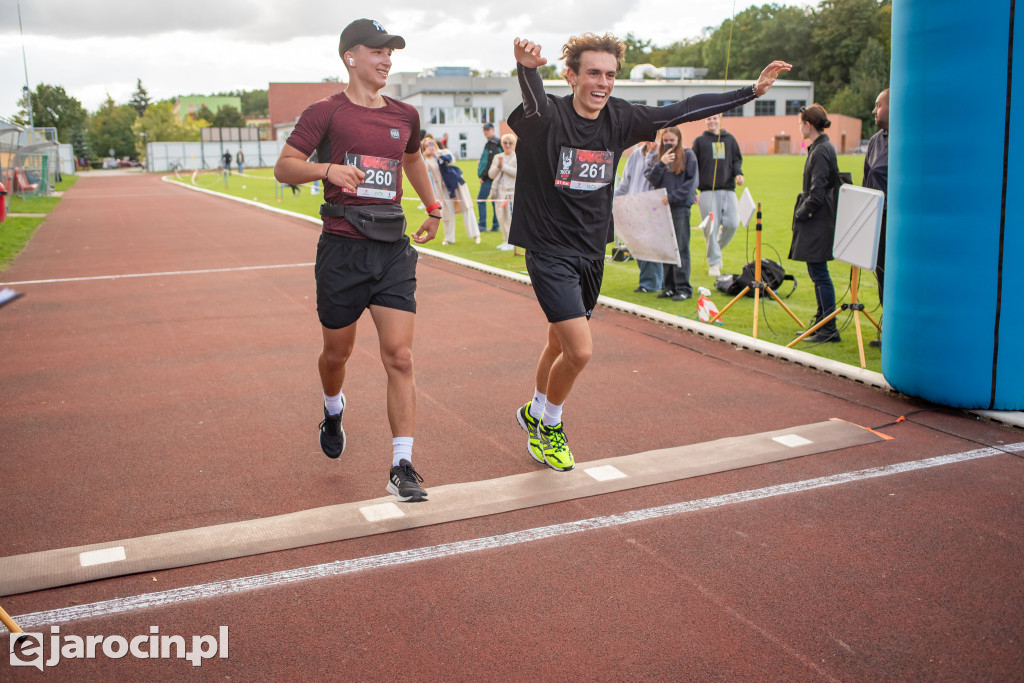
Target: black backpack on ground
772, 274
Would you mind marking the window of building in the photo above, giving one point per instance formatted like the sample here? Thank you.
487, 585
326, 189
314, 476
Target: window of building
443, 115
764, 108
735, 111
794, 106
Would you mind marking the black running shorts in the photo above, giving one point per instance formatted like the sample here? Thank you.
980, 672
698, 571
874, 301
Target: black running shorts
352, 274
567, 287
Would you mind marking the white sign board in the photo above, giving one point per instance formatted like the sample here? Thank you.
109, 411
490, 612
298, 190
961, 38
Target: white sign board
747, 207
858, 226
644, 222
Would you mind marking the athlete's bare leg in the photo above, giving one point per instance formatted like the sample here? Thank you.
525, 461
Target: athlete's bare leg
338, 345
395, 333
567, 352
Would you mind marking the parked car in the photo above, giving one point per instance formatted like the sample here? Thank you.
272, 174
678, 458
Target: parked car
110, 162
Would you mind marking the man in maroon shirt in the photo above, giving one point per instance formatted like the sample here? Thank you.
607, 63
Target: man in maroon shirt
363, 141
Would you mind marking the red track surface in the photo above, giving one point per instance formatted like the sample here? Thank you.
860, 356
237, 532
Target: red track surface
135, 406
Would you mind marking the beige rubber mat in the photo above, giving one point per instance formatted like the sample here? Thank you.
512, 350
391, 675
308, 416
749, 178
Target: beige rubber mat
51, 568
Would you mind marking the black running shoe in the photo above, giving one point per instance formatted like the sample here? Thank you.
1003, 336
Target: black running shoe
404, 483
332, 435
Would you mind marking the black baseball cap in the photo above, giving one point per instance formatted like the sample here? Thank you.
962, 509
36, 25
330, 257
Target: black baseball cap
369, 33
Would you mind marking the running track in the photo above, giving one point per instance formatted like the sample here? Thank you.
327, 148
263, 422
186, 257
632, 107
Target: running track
188, 396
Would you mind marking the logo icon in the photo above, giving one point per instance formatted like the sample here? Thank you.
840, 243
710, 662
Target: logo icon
377, 26
395, 134
27, 650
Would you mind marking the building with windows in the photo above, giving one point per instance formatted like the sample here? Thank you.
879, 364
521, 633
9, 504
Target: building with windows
452, 100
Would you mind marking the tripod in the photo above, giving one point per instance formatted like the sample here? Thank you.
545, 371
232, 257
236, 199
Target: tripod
757, 285
854, 306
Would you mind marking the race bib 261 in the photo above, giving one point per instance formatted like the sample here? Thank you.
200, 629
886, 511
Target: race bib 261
584, 169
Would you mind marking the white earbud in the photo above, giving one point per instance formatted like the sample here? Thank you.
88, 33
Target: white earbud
351, 62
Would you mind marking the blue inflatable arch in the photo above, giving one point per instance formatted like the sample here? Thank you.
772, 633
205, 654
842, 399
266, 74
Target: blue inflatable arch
954, 306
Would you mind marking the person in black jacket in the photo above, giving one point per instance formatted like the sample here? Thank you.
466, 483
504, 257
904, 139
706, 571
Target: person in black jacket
814, 218
676, 171
876, 176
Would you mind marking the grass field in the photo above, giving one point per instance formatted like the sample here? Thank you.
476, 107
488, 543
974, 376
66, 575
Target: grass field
774, 181
16, 231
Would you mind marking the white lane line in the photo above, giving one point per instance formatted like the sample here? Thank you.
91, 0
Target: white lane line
249, 583
171, 272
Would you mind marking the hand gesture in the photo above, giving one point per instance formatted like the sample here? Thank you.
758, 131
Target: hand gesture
527, 53
345, 176
427, 231
768, 76
668, 157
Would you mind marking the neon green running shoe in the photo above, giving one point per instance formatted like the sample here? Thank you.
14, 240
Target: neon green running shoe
555, 450
529, 424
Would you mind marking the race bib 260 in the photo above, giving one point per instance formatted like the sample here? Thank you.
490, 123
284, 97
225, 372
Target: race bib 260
381, 180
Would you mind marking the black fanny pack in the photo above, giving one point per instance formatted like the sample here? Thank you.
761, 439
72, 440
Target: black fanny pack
381, 222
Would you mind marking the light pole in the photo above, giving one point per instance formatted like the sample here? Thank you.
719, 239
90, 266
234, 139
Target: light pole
28, 91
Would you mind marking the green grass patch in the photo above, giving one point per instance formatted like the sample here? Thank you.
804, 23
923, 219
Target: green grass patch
774, 181
16, 231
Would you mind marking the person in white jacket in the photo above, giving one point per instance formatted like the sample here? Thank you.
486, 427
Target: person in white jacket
503, 188
453, 188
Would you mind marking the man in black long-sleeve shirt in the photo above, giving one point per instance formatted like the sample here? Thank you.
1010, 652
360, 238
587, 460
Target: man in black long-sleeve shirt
568, 150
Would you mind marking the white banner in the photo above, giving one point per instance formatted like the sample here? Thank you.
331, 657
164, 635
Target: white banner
644, 222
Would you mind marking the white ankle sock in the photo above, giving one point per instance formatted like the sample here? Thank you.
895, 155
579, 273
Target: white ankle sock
552, 414
537, 404
334, 404
403, 449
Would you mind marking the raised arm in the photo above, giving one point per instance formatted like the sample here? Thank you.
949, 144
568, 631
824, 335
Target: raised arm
702, 106
530, 83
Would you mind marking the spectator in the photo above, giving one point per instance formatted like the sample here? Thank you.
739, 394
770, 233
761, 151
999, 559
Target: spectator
240, 161
814, 218
634, 180
227, 162
491, 147
676, 171
503, 188
876, 176
453, 191
720, 164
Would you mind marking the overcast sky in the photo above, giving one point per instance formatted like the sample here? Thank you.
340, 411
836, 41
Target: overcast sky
206, 46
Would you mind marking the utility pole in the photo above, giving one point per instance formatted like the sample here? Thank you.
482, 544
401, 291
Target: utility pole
28, 91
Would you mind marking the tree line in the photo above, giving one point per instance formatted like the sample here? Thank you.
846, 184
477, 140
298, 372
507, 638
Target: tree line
843, 46
125, 128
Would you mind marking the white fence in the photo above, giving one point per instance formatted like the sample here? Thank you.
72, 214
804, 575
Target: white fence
166, 156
